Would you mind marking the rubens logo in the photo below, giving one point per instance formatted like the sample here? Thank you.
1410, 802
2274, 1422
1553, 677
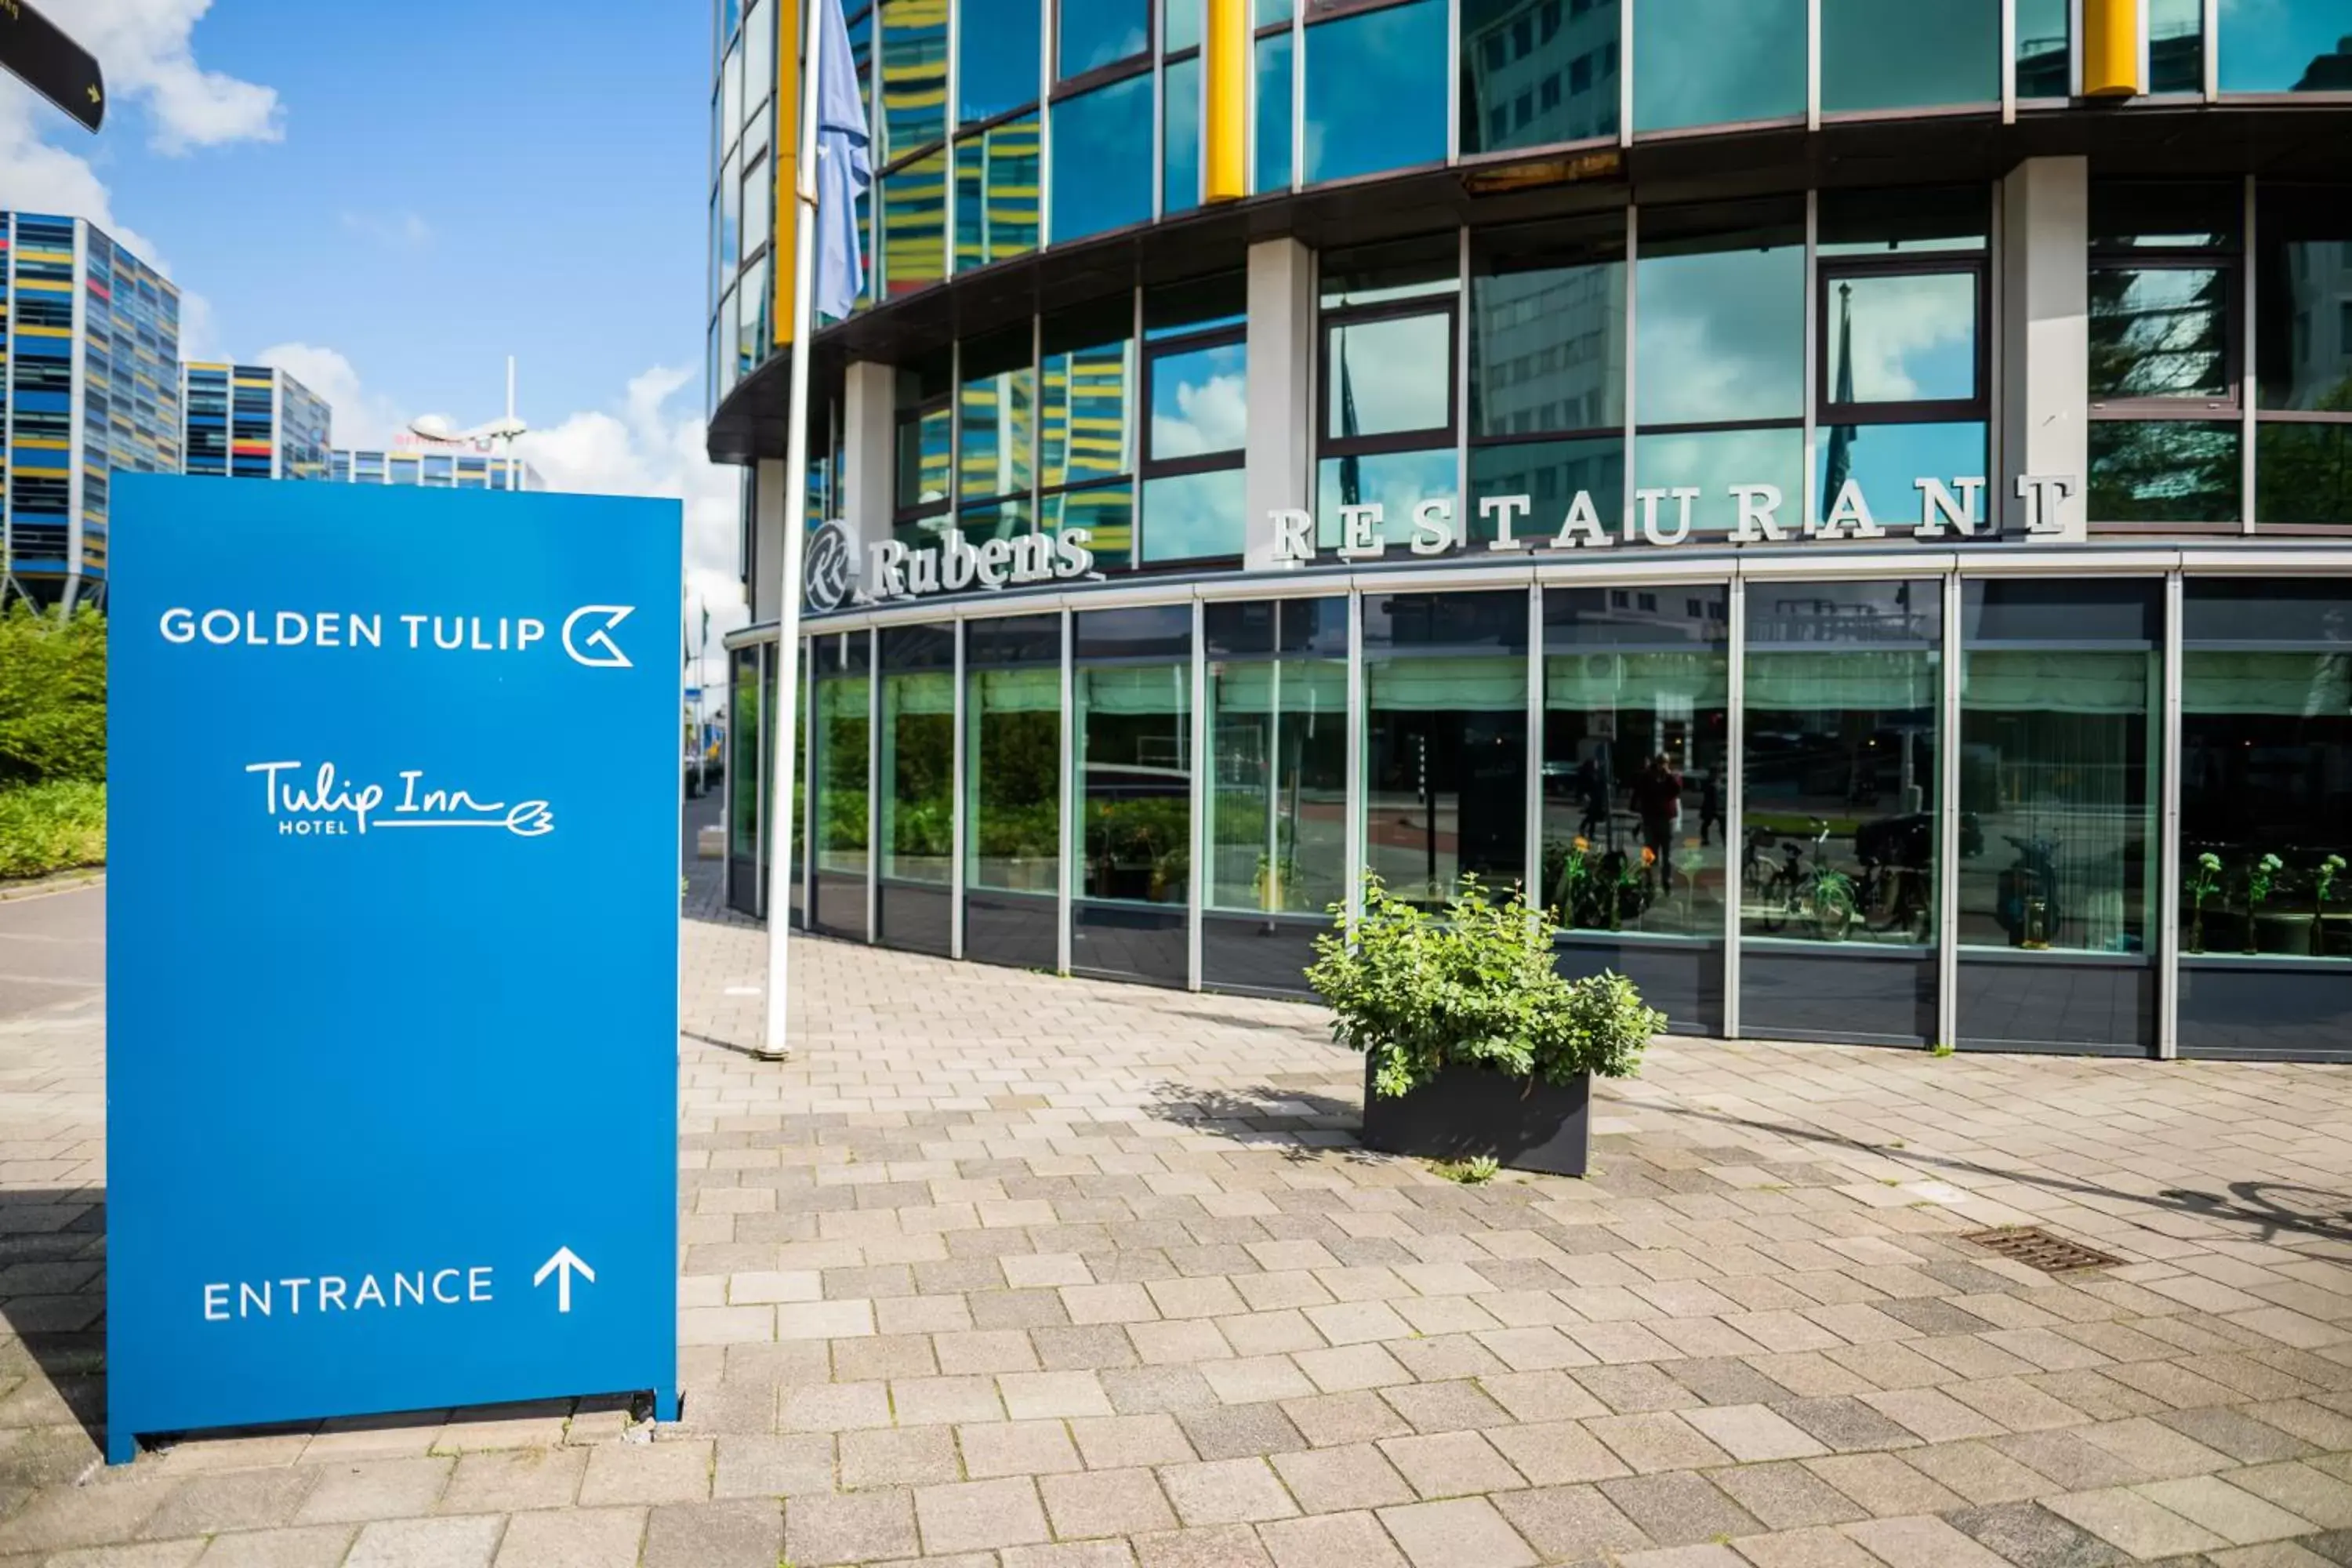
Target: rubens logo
585, 635
323, 803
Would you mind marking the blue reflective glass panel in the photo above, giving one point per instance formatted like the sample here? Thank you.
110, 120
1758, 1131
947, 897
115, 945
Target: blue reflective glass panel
1919, 55
1389, 376
997, 57
1187, 517
1908, 338
914, 224
1274, 95
1550, 474
1706, 62
2285, 46
1720, 335
1102, 159
1396, 481
914, 74
2044, 48
1183, 26
1200, 402
1712, 462
1101, 32
1537, 71
1181, 136
1886, 459
1376, 91
996, 193
2175, 45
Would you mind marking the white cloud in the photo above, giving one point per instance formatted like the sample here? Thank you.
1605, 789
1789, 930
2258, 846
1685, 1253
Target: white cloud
1210, 415
360, 418
145, 50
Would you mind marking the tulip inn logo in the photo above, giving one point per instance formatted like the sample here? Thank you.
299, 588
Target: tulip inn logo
1662, 517
303, 802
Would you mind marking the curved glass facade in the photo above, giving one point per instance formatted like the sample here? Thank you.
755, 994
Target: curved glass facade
1855, 608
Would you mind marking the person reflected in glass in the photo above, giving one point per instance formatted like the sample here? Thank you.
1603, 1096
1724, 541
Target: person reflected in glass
1710, 806
1657, 801
1592, 790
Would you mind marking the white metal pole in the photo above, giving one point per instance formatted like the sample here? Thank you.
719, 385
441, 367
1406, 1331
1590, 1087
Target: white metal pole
788, 594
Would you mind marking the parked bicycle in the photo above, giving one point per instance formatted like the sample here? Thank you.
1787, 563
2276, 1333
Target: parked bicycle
1818, 896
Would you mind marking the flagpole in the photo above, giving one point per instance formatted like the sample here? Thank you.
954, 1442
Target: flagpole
773, 1046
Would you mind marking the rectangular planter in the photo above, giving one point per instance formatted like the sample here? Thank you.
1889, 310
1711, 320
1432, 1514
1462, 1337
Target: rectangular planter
1527, 1124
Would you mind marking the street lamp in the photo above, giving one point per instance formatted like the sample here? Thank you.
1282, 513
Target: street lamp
431, 428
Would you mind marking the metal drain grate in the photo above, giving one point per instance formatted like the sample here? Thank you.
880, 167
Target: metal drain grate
2037, 1249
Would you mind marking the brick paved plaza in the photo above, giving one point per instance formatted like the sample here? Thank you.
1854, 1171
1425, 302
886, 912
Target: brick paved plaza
1023, 1272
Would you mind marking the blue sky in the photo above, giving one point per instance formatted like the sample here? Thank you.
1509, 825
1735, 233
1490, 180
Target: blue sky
397, 197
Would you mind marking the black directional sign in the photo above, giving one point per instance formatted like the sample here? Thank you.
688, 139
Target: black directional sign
51, 64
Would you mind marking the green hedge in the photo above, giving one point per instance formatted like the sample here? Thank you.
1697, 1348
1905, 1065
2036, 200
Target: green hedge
52, 697
48, 828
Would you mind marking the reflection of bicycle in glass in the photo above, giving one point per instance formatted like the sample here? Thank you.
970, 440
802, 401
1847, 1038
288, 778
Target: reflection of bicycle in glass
1820, 896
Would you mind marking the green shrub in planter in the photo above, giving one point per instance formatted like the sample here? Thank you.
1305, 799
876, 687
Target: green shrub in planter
1477, 985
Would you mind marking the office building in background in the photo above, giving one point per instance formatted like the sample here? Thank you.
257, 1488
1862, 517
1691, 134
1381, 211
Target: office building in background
90, 384
436, 468
252, 421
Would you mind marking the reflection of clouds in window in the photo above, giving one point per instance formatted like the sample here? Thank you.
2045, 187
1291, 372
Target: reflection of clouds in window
1886, 460
1376, 91
1102, 159
1912, 337
2283, 46
1098, 32
1702, 62
1712, 462
1398, 375
1193, 515
1192, 417
1395, 481
1721, 336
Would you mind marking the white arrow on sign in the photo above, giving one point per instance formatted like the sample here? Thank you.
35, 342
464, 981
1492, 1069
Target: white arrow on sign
564, 1265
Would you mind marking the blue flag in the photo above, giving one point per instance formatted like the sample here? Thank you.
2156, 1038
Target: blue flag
844, 167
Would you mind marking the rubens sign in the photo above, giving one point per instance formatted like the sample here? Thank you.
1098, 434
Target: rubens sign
898, 570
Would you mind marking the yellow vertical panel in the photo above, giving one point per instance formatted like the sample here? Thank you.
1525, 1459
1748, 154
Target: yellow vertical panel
1224, 141
787, 162
2111, 49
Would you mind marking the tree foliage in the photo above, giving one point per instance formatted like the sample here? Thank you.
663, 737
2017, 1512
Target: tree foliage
1479, 983
52, 697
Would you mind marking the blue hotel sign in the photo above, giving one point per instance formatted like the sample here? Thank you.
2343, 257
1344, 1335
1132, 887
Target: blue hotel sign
392, 951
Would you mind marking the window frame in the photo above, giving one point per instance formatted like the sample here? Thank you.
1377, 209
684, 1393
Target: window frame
1148, 466
904, 514
1331, 319
2230, 261
1558, 258
1829, 271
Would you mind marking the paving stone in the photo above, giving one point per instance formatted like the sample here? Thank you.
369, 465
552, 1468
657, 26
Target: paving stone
2315, 1495
828, 1528
2123, 1517
898, 1456
2033, 1537
1920, 1541
573, 1538
1061, 1554
734, 1532
1345, 1418
1846, 1425
1106, 1503
379, 1489
1143, 1390
1750, 1433
2238, 1516
1233, 1432
1120, 1442
1330, 1541
1333, 1480
302, 1546
1663, 1441
1009, 1448
1215, 1546
1227, 1491
760, 1467
236, 1499
976, 1516
1786, 1496
1570, 1523
1451, 1464
1454, 1532
1678, 1508
1556, 1453
1816, 1548
1453, 1406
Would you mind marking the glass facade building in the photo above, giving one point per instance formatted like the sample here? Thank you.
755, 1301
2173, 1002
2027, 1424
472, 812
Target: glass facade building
90, 384
434, 467
1861, 532
252, 421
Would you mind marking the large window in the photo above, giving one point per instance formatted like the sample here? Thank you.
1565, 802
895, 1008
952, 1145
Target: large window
996, 399
2285, 46
1132, 672
997, 57
745, 809
2303, 354
1720, 360
917, 775
2266, 768
924, 443
1013, 789
1087, 425
1095, 34
1103, 176
840, 668
2045, 59
1375, 89
1274, 95
1196, 419
1903, 347
1635, 735
2058, 763
1714, 62
1548, 371
1921, 54
2165, 437
1445, 741
996, 195
1386, 437
1840, 758
1536, 72
2175, 45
